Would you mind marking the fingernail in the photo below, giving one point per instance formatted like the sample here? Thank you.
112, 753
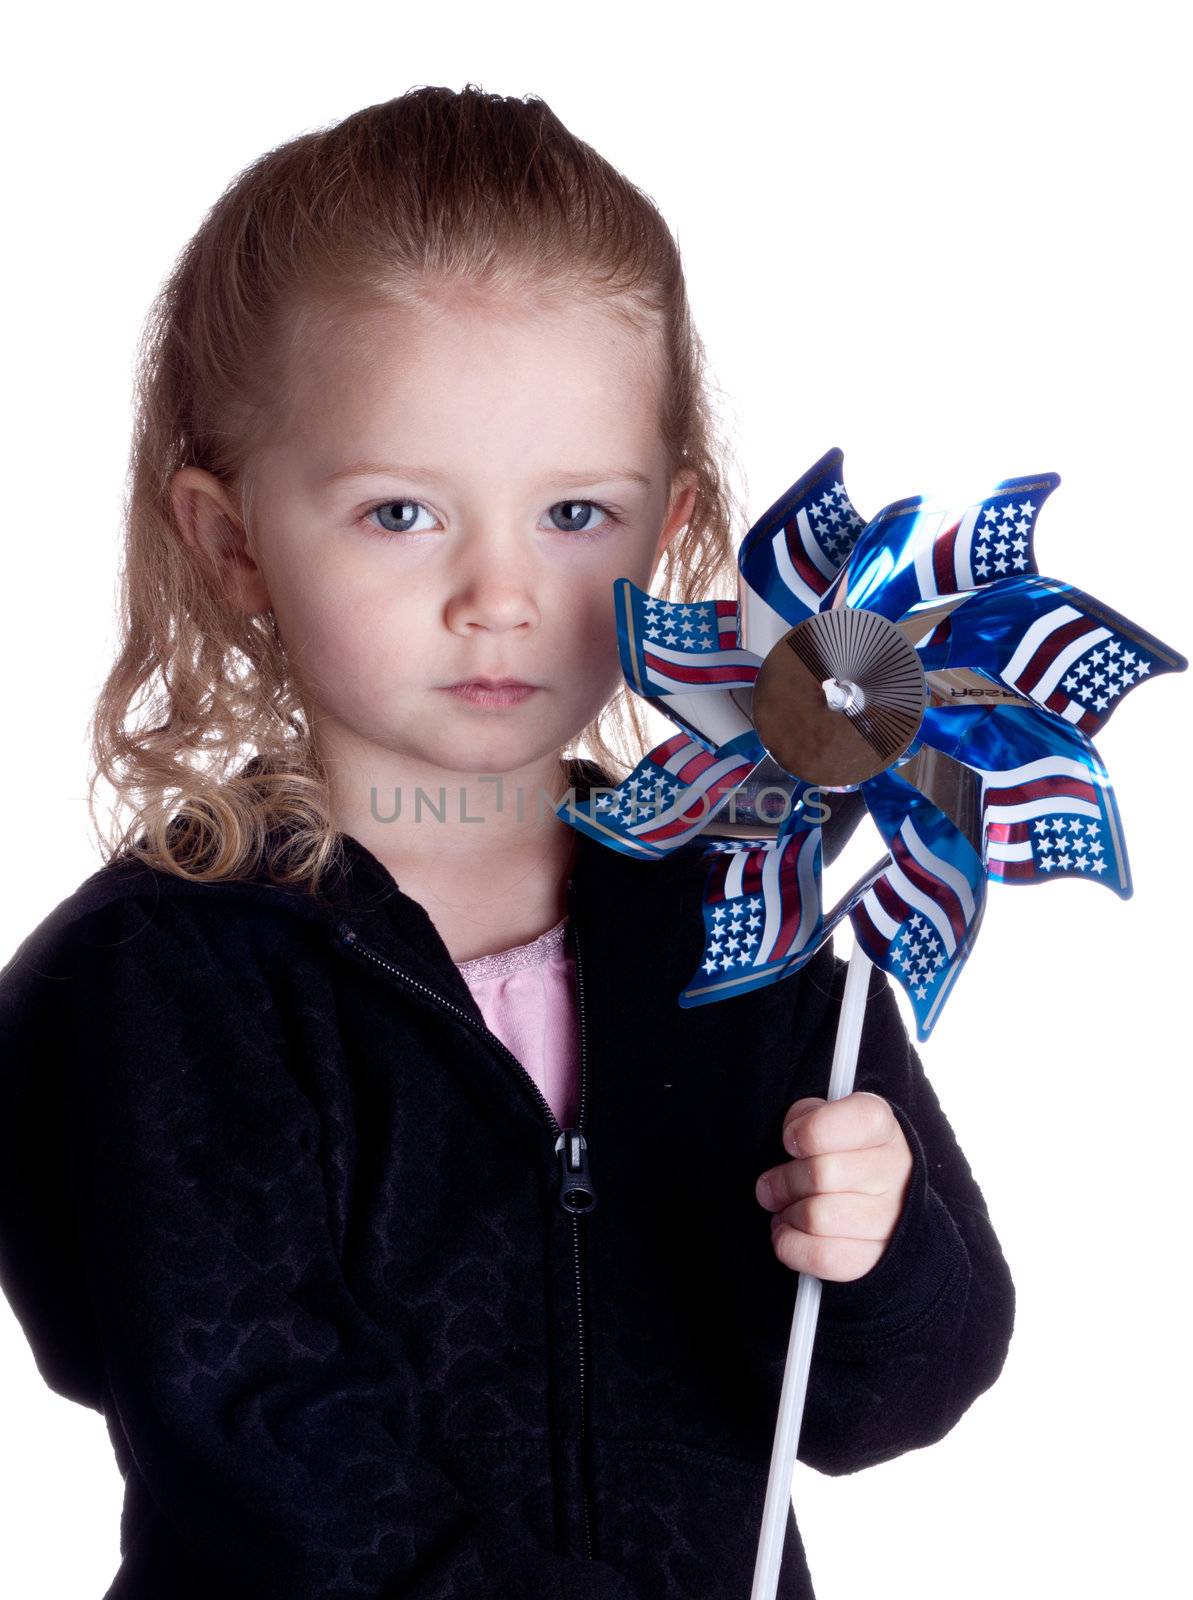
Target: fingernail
764, 1193
789, 1138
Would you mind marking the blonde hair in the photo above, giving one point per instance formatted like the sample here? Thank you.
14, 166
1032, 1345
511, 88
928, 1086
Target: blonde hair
433, 187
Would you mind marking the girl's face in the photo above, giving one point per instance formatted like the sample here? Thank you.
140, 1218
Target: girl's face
461, 489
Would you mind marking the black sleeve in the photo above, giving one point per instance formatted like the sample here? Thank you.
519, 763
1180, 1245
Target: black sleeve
275, 1425
903, 1351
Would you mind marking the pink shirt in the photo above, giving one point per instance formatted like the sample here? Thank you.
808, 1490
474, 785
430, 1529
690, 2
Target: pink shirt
526, 994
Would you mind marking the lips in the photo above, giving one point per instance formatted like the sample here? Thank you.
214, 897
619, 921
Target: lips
492, 683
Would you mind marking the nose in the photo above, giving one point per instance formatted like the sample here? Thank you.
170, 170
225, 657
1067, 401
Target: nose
493, 589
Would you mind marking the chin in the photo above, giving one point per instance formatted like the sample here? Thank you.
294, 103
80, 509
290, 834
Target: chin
467, 757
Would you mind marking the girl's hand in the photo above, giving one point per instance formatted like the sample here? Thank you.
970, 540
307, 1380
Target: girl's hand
837, 1202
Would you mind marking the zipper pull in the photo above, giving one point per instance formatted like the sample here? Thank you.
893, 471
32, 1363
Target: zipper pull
576, 1193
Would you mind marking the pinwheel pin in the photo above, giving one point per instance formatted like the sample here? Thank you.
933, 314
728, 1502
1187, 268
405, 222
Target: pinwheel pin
921, 658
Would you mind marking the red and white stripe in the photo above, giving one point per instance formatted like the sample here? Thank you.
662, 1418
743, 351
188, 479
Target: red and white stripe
705, 782
917, 879
801, 562
681, 669
1015, 798
1011, 846
943, 561
1046, 652
1015, 794
1009, 853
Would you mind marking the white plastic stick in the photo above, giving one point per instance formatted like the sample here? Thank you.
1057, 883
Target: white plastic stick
807, 1308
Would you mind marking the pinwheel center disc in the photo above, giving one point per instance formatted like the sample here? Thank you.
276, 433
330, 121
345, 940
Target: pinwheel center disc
839, 697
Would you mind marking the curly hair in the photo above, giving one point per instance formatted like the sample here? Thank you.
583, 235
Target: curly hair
432, 186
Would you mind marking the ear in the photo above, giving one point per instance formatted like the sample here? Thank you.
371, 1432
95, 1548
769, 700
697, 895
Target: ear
208, 520
679, 512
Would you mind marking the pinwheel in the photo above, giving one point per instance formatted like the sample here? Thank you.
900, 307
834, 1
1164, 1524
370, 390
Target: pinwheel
921, 658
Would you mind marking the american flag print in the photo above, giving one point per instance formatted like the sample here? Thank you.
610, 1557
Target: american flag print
1048, 808
1075, 667
669, 798
912, 552
792, 554
810, 546
671, 647
685, 659
1047, 640
762, 914
1063, 844
1047, 818
918, 918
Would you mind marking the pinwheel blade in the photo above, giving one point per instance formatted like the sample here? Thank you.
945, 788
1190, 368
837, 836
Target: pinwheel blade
765, 805
762, 915
917, 915
685, 659
912, 551
1048, 808
1044, 639
790, 556
669, 798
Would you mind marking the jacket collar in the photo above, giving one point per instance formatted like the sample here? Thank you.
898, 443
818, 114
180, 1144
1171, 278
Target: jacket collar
606, 891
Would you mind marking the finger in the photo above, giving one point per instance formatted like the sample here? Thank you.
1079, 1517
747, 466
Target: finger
807, 1103
839, 1216
834, 1260
855, 1121
865, 1171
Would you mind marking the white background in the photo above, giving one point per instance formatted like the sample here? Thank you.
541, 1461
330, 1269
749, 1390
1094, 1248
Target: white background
950, 239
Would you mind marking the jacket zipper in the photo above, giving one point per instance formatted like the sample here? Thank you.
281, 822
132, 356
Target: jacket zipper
576, 1193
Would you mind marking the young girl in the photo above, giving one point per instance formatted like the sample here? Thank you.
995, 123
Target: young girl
357, 1161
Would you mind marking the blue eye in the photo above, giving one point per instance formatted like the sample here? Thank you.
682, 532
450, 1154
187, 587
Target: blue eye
406, 524
578, 511
576, 506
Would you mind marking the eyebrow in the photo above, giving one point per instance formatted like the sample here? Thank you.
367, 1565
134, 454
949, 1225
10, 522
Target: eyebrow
582, 480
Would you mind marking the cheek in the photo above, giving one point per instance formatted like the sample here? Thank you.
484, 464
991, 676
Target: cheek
583, 622
348, 637
362, 671
591, 618
584, 593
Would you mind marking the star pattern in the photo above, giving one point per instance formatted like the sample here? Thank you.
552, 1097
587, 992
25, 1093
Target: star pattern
732, 932
1069, 844
683, 626
641, 797
1001, 539
1095, 678
835, 523
916, 948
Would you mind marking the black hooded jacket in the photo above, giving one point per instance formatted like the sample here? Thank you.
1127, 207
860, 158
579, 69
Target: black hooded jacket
276, 1201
